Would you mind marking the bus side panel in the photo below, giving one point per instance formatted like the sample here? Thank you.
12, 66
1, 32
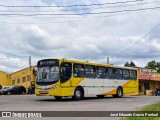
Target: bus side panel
112, 85
131, 87
92, 86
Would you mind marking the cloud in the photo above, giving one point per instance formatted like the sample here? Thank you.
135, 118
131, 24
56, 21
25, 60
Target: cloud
82, 37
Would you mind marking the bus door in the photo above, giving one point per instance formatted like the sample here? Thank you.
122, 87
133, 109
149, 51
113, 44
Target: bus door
146, 86
65, 74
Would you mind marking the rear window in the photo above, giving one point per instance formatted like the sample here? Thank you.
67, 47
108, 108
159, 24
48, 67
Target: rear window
133, 74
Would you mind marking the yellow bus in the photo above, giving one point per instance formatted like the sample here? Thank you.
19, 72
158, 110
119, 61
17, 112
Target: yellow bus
77, 79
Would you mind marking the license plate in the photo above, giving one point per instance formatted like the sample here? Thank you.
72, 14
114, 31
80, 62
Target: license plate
43, 92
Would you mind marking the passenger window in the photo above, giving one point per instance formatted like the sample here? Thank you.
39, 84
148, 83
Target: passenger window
110, 73
126, 74
78, 70
133, 74
66, 71
90, 71
118, 73
101, 72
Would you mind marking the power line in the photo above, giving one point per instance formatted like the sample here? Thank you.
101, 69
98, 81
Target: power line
78, 9
95, 4
79, 20
13, 54
124, 50
95, 13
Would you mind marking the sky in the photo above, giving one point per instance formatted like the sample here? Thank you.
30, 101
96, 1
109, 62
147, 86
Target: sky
76, 32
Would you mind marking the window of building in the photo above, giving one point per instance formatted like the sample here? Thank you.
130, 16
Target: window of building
24, 79
101, 72
126, 74
66, 71
110, 73
118, 73
133, 74
28, 77
13, 82
78, 70
18, 80
90, 71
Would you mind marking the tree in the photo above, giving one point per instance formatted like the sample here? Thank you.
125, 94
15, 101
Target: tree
153, 65
126, 64
131, 64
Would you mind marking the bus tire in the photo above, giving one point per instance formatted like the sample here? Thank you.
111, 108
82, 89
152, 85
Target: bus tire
119, 93
78, 94
58, 97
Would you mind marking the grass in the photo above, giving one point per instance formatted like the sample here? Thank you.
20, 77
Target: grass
153, 107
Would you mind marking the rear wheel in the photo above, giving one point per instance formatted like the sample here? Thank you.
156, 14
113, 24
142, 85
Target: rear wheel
58, 97
78, 94
119, 92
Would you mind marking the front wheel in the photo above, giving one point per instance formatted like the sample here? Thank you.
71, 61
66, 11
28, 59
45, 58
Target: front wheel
78, 94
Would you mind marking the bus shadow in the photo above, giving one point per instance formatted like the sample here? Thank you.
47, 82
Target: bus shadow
89, 99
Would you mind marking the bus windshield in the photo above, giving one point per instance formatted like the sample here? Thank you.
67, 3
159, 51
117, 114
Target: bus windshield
48, 74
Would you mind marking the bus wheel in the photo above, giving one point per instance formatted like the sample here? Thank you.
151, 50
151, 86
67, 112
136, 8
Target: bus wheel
58, 97
100, 96
78, 94
119, 92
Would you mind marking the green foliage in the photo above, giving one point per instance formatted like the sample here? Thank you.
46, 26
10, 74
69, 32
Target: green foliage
131, 64
153, 65
126, 64
153, 107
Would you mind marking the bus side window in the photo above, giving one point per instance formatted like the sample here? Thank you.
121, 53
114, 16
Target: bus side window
79, 70
110, 73
66, 71
133, 74
101, 72
89, 71
126, 75
118, 73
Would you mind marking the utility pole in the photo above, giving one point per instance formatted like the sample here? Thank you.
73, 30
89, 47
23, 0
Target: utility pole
30, 62
107, 60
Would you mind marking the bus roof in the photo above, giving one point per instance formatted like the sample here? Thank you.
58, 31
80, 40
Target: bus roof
90, 63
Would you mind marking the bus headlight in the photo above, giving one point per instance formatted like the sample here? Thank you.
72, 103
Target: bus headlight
47, 88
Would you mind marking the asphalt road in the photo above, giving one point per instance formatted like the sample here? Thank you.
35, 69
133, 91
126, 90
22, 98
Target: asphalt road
45, 103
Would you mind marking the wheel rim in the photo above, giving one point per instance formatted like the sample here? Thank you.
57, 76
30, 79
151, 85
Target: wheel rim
78, 93
119, 92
